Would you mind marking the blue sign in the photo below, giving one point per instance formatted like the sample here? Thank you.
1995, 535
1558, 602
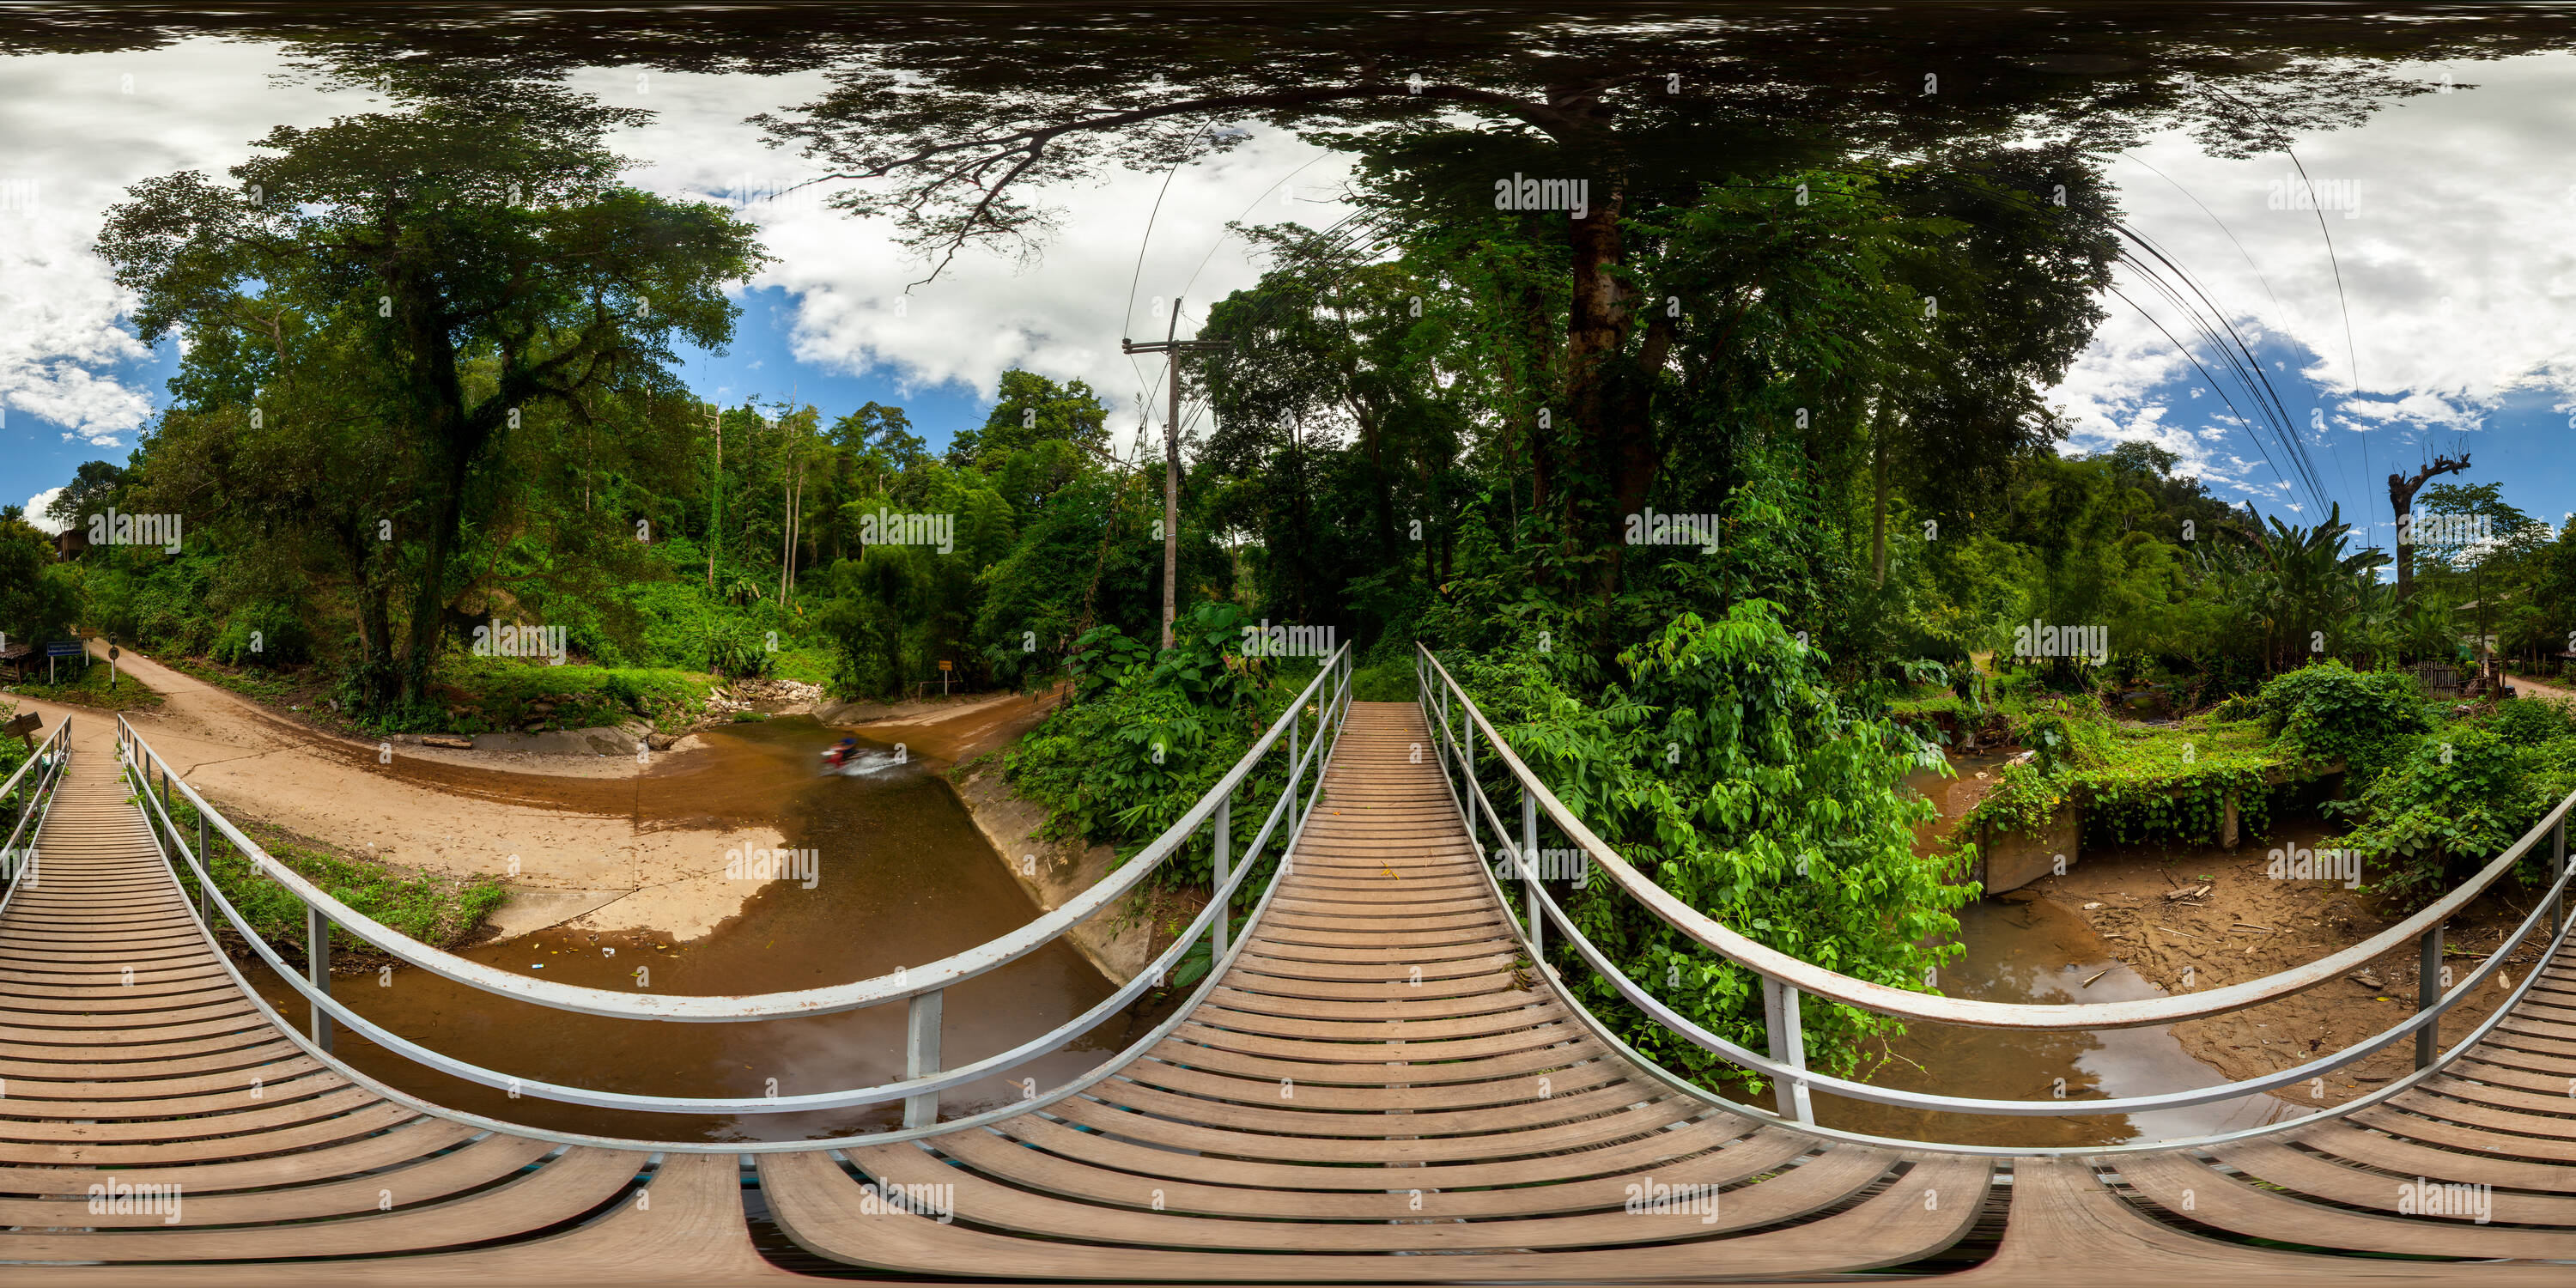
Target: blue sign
63, 648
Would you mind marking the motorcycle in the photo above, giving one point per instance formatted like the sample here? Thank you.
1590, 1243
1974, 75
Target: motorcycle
860, 761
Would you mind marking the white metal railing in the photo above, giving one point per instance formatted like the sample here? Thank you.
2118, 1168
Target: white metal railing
1310, 729
30, 794
1785, 978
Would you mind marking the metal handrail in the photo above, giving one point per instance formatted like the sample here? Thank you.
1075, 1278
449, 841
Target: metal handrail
924, 1079
1833, 986
1786, 1064
47, 762
907, 982
39, 757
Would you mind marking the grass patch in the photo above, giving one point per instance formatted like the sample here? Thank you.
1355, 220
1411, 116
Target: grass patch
807, 665
436, 909
1389, 681
500, 695
259, 684
90, 687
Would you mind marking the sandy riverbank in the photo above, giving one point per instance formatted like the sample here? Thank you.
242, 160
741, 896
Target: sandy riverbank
2248, 925
572, 848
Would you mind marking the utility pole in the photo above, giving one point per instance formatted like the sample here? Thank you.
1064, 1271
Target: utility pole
1172, 454
715, 498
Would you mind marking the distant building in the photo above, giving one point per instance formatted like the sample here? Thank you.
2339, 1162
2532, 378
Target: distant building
70, 541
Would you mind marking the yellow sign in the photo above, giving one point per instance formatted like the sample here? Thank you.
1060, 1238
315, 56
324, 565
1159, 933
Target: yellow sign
948, 666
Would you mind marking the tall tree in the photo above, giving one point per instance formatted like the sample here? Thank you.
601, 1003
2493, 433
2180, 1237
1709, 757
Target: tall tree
483, 225
2401, 504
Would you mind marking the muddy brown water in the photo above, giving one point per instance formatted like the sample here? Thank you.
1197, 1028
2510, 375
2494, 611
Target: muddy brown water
902, 877
2035, 952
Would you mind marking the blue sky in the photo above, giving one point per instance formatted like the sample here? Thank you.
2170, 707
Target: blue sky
2438, 321
838, 318
762, 364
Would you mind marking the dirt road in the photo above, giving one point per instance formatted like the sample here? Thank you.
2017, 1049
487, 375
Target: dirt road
593, 840
569, 847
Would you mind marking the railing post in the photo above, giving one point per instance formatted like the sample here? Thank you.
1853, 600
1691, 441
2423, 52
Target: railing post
1224, 869
317, 969
1788, 1047
1529, 876
921, 1056
205, 876
1467, 772
2428, 994
1293, 772
1447, 727
2558, 868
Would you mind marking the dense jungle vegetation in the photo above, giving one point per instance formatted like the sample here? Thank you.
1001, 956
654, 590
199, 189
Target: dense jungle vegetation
438, 390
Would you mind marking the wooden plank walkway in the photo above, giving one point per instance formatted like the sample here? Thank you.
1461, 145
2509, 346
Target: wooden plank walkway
1379, 1091
151, 1114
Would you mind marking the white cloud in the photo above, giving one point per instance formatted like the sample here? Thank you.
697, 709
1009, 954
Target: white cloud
2456, 279
36, 511
79, 133
1061, 316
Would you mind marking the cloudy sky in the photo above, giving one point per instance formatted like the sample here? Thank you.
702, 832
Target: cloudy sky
2447, 330
829, 322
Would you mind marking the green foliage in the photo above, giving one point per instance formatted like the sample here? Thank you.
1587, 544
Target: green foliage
489, 695
38, 598
2453, 801
2168, 783
440, 911
736, 647
265, 634
2529, 722
2329, 711
1726, 770
13, 753
1147, 734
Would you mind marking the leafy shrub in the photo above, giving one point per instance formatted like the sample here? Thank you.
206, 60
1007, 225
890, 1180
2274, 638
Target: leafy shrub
266, 634
1729, 773
1146, 735
2237, 706
737, 648
2453, 802
2369, 719
2529, 722
2067, 734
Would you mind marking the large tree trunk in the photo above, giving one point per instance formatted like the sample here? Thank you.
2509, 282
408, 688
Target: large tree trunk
375, 626
2401, 501
1878, 498
429, 601
1382, 489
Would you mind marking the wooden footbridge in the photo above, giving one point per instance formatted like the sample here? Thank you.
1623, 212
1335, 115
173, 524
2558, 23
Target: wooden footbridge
1383, 1081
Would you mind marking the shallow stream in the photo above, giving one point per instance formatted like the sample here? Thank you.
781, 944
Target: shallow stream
901, 877
2036, 952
